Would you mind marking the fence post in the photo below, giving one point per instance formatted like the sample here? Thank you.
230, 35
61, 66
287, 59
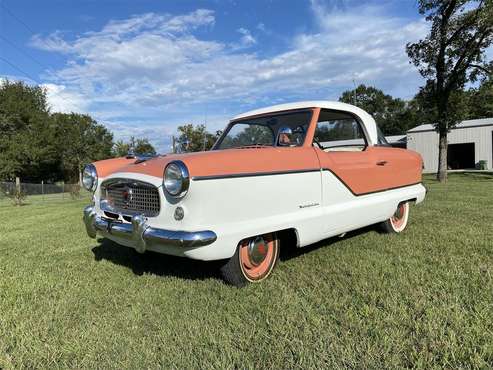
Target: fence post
18, 184
63, 189
42, 190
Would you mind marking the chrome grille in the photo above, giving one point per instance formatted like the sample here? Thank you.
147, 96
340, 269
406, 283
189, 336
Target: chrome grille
130, 197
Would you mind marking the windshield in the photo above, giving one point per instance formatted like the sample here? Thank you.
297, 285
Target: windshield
282, 129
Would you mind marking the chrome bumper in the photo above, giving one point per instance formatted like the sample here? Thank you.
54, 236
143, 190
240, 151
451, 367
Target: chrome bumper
142, 235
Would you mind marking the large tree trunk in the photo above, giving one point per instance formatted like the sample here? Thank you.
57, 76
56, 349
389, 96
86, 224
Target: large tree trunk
442, 156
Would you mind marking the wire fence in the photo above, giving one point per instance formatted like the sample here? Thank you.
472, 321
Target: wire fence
12, 193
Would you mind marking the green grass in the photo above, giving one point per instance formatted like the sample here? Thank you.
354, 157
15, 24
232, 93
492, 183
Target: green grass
423, 298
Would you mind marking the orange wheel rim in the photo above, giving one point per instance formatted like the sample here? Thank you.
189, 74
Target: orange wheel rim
257, 256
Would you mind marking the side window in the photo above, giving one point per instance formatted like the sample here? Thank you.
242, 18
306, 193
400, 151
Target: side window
338, 131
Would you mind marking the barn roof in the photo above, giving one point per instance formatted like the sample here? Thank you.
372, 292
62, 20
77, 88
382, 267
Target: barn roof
464, 124
396, 138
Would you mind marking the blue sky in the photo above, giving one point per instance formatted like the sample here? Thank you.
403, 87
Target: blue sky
144, 67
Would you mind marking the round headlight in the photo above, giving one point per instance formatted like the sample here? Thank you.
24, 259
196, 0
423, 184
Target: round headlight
90, 177
176, 179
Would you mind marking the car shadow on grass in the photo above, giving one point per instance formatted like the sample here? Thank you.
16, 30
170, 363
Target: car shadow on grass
290, 252
155, 263
185, 268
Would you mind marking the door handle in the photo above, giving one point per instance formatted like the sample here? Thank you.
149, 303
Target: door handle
381, 163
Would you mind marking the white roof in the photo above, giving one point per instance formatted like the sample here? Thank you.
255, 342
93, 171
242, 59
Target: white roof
367, 120
463, 124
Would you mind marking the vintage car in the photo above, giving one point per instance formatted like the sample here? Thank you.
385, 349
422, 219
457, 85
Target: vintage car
287, 174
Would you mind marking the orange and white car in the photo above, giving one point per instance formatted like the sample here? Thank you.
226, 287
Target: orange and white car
292, 173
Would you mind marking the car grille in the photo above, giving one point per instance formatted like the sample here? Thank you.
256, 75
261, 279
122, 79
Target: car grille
130, 197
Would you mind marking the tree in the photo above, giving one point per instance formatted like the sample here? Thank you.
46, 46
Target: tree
36, 145
137, 146
481, 99
390, 113
195, 138
26, 146
450, 56
81, 140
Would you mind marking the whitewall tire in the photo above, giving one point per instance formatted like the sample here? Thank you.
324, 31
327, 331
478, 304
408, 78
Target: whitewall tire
253, 261
398, 222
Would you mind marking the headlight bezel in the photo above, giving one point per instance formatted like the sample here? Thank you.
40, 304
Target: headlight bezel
180, 168
91, 172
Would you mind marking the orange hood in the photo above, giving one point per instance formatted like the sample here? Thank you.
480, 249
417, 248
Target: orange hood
219, 162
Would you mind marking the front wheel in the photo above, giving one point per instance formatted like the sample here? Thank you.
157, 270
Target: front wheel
398, 222
253, 260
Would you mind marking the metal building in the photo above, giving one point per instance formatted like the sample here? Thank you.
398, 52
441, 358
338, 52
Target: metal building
397, 141
470, 143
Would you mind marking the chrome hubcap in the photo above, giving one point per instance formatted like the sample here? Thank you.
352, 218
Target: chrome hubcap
257, 250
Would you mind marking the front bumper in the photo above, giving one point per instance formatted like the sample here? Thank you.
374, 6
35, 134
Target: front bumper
141, 235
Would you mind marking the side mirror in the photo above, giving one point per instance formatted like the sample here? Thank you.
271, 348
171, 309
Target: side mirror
284, 136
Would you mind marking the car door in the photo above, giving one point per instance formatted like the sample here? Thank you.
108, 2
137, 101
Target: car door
350, 171
395, 167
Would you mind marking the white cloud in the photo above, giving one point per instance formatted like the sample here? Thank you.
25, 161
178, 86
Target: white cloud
157, 65
261, 27
62, 100
158, 135
246, 40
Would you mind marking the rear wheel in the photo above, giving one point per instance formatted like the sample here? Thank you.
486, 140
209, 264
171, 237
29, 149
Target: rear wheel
398, 222
253, 260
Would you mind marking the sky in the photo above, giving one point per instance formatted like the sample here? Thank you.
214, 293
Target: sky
144, 67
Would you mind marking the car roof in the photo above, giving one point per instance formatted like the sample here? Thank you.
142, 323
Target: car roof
367, 120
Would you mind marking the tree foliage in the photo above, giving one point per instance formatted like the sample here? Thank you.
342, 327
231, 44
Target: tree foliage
137, 146
194, 138
36, 145
451, 55
26, 145
480, 103
80, 140
391, 114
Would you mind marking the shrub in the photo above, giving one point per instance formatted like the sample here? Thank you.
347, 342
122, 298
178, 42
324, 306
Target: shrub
17, 196
75, 191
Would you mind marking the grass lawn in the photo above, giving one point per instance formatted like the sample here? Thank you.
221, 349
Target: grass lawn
35, 199
423, 298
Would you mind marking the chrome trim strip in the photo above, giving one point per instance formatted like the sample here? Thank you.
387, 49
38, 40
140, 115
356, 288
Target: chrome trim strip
142, 235
252, 174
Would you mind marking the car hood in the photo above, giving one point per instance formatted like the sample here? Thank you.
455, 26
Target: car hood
219, 162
